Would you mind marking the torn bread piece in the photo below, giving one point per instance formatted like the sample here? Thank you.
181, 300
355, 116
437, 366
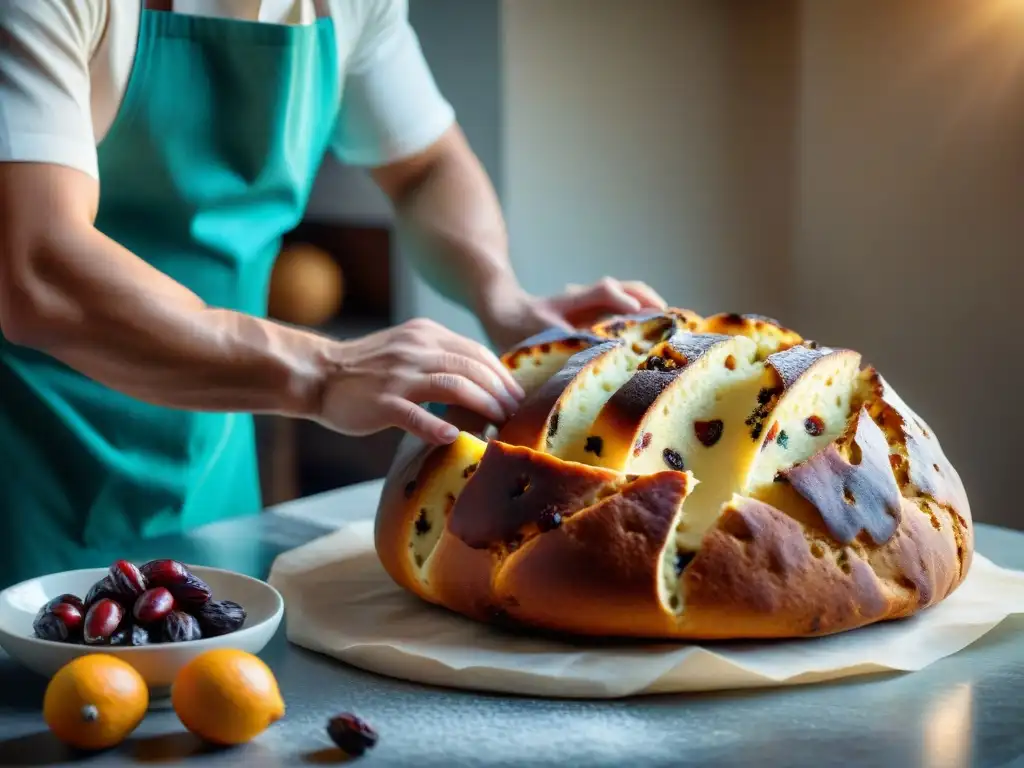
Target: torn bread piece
610, 569
419, 494
518, 491
685, 410
515, 495
809, 405
557, 414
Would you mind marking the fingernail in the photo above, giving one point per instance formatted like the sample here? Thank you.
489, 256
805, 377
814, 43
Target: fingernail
449, 433
514, 392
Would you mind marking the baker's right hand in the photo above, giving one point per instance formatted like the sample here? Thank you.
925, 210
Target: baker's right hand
381, 380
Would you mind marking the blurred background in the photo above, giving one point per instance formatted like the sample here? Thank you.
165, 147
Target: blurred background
854, 168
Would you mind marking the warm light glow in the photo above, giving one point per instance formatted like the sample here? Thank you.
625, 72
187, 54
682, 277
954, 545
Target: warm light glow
948, 730
981, 53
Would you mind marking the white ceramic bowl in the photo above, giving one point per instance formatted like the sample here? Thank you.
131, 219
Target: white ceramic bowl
159, 663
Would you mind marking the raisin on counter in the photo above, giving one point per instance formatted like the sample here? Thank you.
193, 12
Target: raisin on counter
351, 734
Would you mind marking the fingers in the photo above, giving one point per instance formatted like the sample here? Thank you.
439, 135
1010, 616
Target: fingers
606, 296
498, 380
486, 361
647, 296
478, 373
453, 389
443, 387
418, 421
430, 363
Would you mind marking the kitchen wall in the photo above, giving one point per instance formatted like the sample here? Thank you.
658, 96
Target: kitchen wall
910, 225
652, 140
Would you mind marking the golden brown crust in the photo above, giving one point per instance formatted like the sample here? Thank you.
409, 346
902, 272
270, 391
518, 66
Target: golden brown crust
760, 574
770, 335
534, 360
919, 460
601, 567
756, 576
875, 525
545, 341
655, 325
516, 491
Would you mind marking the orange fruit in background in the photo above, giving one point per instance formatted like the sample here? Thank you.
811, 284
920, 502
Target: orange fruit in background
227, 697
306, 286
95, 702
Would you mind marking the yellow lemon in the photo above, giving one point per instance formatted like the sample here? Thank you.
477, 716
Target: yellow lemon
95, 702
227, 697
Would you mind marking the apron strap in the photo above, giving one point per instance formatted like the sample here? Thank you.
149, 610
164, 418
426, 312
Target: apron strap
320, 6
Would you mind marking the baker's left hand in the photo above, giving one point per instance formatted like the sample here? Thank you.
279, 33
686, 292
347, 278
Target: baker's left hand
516, 315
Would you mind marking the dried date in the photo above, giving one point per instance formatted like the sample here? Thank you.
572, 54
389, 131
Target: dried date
220, 617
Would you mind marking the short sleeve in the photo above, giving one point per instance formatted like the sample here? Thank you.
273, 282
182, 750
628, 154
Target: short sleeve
391, 106
45, 114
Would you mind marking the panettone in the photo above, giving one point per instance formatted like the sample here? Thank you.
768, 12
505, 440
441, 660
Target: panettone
675, 476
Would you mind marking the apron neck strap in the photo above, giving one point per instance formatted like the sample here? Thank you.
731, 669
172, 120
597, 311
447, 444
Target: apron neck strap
320, 6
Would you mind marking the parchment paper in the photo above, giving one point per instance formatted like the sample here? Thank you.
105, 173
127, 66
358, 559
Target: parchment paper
340, 602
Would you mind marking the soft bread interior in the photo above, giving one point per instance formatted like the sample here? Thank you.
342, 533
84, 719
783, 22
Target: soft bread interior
583, 400
698, 423
673, 562
807, 416
434, 500
534, 368
816, 409
540, 357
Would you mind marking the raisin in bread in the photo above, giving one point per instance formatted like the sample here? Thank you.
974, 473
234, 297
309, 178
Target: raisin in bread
674, 476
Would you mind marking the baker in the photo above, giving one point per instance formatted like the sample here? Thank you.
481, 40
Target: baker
152, 155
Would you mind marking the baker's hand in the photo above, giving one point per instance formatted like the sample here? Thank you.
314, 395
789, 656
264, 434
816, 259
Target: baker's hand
380, 381
513, 315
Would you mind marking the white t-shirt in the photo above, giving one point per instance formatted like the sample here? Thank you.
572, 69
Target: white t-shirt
64, 67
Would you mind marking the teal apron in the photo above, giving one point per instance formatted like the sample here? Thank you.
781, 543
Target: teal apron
210, 160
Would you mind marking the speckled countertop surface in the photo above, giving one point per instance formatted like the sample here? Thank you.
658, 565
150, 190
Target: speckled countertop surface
967, 710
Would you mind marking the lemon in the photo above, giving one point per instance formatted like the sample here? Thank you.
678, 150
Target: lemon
227, 697
95, 702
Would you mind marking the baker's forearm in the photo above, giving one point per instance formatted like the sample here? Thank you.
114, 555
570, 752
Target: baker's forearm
70, 291
144, 335
451, 219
